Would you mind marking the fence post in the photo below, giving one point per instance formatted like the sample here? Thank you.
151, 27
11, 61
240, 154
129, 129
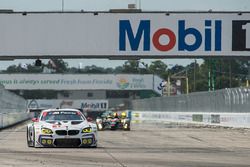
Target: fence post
1, 123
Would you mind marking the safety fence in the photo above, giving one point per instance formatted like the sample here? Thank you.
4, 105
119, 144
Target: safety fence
226, 100
13, 108
228, 107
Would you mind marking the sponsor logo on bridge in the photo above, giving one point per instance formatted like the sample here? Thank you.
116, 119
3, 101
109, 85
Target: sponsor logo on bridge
207, 37
211, 29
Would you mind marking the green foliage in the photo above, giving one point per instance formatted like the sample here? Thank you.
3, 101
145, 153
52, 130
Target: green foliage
130, 66
159, 68
60, 65
19, 69
226, 73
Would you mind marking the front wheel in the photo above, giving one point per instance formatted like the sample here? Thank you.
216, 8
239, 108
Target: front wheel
126, 127
29, 142
95, 146
99, 126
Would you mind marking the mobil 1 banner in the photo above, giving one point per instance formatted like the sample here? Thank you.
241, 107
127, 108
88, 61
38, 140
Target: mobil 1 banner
147, 35
191, 34
84, 104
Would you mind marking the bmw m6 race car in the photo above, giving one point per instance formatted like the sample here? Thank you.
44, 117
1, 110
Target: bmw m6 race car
61, 128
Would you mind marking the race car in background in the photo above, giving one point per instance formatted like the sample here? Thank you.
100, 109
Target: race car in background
61, 128
113, 121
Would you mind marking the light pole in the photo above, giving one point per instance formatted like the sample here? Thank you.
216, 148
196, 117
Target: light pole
62, 5
138, 2
230, 73
194, 75
187, 84
211, 74
248, 75
169, 85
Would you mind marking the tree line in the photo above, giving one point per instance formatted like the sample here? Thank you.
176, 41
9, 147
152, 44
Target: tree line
211, 74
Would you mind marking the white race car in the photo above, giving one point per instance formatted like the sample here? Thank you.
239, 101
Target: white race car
61, 128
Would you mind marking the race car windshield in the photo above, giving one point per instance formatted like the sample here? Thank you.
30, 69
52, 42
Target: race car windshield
61, 116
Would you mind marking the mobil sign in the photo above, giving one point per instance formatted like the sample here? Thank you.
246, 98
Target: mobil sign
123, 35
202, 37
179, 34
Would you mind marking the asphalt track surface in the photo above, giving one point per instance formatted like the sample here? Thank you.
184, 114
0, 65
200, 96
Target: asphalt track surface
146, 145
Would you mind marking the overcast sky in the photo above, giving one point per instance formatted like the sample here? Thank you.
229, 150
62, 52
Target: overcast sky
105, 5
45, 5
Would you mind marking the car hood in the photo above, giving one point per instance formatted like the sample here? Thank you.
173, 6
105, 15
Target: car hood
65, 124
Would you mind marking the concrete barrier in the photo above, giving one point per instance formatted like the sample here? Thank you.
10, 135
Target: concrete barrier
13, 108
239, 120
8, 119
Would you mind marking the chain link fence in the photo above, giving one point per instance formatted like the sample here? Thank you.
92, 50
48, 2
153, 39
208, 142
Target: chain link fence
13, 108
235, 100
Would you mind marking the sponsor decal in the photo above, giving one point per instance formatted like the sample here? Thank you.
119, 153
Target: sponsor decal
94, 106
136, 114
162, 85
215, 119
33, 104
122, 83
241, 35
197, 117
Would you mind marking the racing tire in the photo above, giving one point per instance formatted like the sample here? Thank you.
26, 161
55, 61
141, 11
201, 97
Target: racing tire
113, 128
99, 129
93, 146
34, 139
29, 143
127, 127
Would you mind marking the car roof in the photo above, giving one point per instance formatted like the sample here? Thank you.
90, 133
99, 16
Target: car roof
60, 109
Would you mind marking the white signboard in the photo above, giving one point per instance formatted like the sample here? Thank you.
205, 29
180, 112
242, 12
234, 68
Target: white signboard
85, 105
148, 35
79, 82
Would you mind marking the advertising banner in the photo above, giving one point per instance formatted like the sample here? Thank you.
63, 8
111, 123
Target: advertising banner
85, 104
148, 35
79, 82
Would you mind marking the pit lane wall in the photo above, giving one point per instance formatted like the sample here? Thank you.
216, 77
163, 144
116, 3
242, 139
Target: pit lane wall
12, 108
228, 107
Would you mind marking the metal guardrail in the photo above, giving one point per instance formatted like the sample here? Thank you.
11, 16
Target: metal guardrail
235, 100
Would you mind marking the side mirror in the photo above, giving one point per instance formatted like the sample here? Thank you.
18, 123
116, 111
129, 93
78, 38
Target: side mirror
89, 119
34, 119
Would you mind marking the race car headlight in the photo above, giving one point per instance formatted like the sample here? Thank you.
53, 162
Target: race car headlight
47, 131
87, 130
